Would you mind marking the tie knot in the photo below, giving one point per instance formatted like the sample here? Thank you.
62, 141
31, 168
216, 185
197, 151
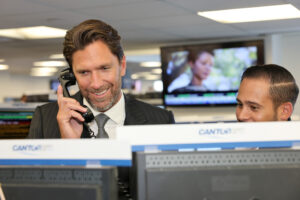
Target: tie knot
101, 120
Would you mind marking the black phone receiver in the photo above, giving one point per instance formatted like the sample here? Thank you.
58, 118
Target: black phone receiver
66, 79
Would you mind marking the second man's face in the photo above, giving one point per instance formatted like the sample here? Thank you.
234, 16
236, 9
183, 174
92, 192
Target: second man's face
98, 73
254, 102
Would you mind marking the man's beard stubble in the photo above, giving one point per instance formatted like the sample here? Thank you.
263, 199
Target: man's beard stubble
111, 102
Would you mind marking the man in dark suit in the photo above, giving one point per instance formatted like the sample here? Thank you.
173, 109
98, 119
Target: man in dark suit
96, 59
95, 56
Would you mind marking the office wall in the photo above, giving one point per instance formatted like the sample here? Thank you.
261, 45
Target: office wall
16, 85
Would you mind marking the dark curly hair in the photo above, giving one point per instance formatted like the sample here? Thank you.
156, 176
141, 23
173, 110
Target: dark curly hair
89, 31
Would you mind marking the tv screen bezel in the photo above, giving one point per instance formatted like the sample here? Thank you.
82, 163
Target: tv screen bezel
166, 50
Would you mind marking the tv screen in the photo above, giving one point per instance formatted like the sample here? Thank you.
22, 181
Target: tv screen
207, 74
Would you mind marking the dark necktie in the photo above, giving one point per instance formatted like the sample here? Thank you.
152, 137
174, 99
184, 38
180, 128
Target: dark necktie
101, 120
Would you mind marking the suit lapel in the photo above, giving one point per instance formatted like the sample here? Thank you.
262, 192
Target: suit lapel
134, 116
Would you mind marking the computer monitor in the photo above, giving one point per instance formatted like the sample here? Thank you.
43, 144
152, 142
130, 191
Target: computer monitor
15, 121
48, 183
264, 174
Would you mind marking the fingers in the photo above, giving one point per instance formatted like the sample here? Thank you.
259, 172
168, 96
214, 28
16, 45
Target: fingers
76, 115
59, 92
66, 103
69, 116
69, 109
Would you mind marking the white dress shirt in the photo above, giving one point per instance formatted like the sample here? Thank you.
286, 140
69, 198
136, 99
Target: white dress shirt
116, 115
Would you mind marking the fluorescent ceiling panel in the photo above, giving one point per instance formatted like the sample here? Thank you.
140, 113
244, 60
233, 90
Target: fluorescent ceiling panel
253, 14
57, 56
43, 71
150, 64
4, 67
37, 32
50, 64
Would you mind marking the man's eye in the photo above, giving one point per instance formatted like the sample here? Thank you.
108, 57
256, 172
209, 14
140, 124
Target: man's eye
254, 108
239, 105
83, 72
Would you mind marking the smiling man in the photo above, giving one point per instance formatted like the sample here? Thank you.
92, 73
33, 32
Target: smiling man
94, 53
266, 93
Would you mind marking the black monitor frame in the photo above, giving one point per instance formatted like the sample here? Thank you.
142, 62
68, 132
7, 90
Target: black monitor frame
269, 174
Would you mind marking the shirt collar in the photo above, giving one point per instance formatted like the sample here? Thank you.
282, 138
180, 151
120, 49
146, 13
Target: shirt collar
115, 113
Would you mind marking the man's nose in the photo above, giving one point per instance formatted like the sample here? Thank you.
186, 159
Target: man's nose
96, 80
243, 115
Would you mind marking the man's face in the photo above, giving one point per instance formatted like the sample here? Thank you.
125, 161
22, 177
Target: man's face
202, 66
254, 102
98, 73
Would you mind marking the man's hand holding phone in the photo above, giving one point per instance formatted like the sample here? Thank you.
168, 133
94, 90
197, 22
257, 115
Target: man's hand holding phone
69, 118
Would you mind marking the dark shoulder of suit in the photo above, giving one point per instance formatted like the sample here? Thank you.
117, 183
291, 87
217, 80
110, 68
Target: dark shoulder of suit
138, 113
44, 123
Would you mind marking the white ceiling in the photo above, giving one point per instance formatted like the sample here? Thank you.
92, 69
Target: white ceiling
143, 24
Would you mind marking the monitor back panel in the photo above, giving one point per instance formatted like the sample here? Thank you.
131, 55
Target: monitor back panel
222, 175
76, 183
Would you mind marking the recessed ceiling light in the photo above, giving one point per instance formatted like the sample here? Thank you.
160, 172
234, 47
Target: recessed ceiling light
156, 71
57, 56
264, 13
43, 71
50, 64
150, 64
158, 86
36, 32
152, 77
135, 76
145, 75
4, 67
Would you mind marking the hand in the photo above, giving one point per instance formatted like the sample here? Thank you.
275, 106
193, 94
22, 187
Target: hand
69, 119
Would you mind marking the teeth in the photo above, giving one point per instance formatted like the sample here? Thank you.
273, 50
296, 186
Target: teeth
99, 93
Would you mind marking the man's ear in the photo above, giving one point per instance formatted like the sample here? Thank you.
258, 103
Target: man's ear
123, 66
284, 111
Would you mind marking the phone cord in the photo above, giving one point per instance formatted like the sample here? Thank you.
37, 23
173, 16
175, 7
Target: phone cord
91, 132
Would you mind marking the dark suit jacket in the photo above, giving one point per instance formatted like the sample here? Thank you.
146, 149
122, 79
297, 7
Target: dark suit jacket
44, 123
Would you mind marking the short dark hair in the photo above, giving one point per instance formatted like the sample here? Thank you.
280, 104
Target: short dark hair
195, 54
283, 86
89, 31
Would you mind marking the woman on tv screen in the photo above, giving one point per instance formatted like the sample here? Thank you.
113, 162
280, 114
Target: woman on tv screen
199, 65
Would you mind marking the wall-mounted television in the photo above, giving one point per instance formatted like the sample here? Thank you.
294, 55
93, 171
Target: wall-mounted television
207, 74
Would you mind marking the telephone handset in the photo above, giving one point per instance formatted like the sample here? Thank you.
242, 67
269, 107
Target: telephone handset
66, 79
